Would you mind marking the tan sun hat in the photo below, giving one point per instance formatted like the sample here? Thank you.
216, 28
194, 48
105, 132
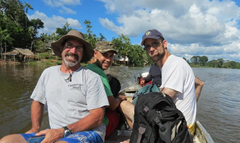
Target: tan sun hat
73, 34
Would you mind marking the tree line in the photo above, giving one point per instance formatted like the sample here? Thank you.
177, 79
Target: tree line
202, 61
16, 30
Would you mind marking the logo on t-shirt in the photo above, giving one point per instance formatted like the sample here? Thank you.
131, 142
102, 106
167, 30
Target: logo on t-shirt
75, 86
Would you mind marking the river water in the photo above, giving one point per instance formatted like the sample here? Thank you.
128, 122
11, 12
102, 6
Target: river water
218, 106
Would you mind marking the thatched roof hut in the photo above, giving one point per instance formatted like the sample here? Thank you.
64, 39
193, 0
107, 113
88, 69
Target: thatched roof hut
18, 52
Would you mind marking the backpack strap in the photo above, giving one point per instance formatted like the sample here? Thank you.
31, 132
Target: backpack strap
175, 130
153, 115
141, 131
159, 123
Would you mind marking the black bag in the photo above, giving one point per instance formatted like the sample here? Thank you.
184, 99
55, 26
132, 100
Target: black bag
157, 120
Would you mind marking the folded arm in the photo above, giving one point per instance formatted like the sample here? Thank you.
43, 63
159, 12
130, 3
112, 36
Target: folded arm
172, 93
198, 87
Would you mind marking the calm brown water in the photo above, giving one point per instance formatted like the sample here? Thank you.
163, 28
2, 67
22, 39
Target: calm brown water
218, 106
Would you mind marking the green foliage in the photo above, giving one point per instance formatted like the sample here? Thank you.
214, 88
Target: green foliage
197, 61
136, 55
91, 38
122, 45
88, 27
40, 46
4, 39
203, 60
63, 31
34, 25
186, 60
45, 55
13, 17
102, 38
231, 64
16, 30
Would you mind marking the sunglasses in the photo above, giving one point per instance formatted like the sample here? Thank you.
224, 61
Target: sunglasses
153, 44
70, 46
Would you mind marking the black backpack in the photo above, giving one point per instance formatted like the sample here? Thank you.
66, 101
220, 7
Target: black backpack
157, 120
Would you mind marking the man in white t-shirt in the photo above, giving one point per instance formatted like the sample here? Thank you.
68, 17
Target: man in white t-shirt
178, 80
74, 95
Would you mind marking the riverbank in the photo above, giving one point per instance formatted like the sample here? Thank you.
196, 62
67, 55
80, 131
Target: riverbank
43, 61
53, 61
48, 62
8, 62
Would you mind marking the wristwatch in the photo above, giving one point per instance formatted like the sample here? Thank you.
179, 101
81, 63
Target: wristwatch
66, 131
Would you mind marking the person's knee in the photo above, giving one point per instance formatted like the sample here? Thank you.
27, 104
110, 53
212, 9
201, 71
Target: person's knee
127, 108
14, 138
5, 139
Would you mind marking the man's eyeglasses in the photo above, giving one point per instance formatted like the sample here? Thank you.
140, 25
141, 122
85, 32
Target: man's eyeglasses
70, 46
153, 44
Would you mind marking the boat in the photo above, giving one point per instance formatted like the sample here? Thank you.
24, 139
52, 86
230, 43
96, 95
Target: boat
119, 135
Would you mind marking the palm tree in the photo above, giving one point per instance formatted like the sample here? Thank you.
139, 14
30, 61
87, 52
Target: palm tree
4, 39
31, 33
27, 6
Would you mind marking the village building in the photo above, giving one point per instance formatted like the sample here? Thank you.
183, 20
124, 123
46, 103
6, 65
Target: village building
18, 54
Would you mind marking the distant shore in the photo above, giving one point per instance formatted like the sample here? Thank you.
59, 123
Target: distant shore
51, 62
8, 62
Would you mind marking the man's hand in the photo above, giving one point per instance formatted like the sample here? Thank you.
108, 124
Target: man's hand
142, 82
122, 96
51, 135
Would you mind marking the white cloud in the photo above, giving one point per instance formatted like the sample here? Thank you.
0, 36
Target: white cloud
71, 2
190, 26
63, 5
227, 52
53, 3
51, 23
57, 3
67, 10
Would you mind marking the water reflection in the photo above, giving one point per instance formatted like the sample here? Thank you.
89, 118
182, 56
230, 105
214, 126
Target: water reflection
218, 106
17, 83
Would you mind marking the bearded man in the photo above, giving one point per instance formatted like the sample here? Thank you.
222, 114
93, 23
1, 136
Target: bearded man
178, 80
75, 97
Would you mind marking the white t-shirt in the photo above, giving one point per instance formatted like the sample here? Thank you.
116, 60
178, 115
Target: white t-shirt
178, 75
69, 101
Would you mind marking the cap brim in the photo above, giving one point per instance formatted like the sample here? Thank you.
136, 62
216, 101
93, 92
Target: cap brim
109, 51
147, 37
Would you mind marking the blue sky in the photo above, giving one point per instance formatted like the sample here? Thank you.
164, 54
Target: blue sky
191, 27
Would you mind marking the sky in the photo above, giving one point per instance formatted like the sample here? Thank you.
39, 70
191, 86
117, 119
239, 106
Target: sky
191, 27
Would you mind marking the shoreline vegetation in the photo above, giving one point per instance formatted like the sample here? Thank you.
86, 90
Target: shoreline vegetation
20, 36
57, 61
